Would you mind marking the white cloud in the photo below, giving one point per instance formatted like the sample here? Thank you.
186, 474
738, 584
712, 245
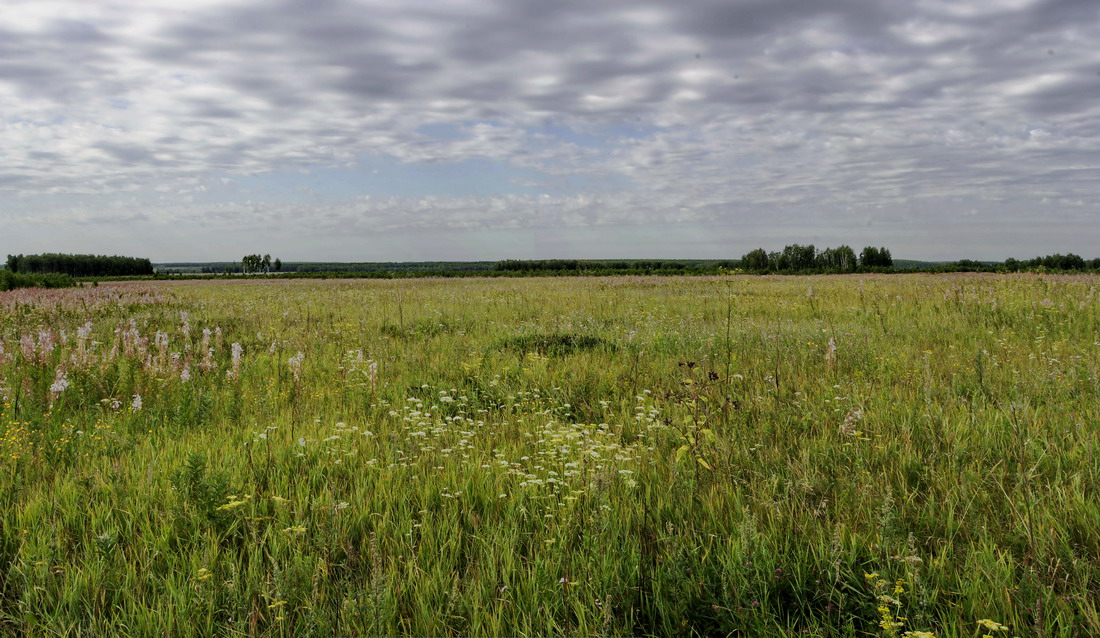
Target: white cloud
702, 113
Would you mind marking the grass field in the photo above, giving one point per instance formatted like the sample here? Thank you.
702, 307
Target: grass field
789, 456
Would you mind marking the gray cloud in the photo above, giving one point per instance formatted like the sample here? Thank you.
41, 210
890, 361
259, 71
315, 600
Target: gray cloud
815, 116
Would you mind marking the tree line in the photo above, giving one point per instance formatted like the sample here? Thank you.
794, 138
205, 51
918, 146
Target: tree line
79, 265
799, 258
601, 265
794, 258
1056, 262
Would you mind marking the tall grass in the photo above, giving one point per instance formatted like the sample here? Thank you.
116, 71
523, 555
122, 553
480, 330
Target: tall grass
836, 456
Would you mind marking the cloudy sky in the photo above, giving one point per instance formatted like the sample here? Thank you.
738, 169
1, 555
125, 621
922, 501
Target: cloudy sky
486, 129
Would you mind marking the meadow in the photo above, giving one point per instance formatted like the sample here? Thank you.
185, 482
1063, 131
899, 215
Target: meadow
864, 455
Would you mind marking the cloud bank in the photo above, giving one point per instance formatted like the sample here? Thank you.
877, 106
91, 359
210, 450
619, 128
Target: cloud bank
332, 127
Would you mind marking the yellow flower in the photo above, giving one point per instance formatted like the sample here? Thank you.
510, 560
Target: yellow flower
204, 574
992, 625
296, 529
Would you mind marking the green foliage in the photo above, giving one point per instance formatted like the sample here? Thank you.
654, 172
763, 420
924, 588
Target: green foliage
10, 280
203, 492
796, 258
557, 344
840, 259
257, 263
1055, 262
756, 261
79, 265
872, 257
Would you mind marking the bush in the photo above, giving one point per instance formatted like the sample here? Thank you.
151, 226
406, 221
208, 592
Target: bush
10, 280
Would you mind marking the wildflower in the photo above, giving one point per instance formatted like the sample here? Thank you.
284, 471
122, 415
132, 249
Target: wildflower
135, 404
992, 625
46, 344
27, 345
235, 368
60, 383
295, 363
204, 574
232, 505
296, 529
207, 351
851, 420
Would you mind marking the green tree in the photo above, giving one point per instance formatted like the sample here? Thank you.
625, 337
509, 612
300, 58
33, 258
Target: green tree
755, 260
872, 257
797, 257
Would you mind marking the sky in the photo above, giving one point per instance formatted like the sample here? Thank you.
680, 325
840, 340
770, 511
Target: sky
348, 130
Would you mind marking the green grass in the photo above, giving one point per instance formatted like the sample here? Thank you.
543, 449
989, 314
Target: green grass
758, 456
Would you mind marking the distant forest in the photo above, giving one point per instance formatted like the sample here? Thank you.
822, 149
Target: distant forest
79, 265
793, 259
807, 259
